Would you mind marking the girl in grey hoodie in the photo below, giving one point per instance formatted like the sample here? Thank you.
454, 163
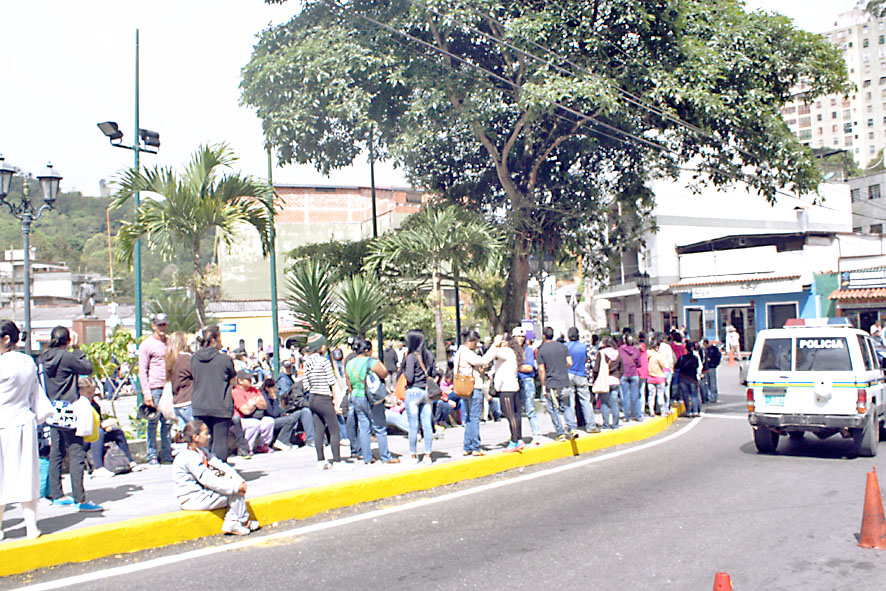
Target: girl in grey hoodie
204, 482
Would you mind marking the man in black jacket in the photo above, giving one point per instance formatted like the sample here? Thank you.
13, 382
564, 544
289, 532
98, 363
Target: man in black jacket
61, 370
711, 363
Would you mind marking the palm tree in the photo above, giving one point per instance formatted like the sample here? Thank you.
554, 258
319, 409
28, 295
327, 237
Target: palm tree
313, 300
363, 304
195, 204
436, 239
180, 310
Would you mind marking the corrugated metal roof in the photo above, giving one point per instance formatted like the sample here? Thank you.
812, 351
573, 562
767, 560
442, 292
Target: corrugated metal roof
874, 293
230, 307
752, 279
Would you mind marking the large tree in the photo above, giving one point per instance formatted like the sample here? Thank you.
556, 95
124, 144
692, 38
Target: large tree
551, 118
202, 200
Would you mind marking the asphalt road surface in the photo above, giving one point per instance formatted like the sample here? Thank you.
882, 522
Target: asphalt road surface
664, 515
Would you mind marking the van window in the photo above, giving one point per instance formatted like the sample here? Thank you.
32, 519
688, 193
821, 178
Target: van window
874, 357
865, 353
823, 354
776, 355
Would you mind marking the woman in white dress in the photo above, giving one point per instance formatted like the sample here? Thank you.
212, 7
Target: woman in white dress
19, 468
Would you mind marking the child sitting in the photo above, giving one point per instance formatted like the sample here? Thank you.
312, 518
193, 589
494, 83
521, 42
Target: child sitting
205, 483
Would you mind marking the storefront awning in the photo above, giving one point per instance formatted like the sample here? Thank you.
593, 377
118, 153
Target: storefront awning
856, 295
687, 285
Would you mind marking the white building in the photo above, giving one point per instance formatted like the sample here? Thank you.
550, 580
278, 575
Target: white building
50, 282
856, 123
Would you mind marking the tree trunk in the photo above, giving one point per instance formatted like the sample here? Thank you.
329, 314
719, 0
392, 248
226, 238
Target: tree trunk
438, 319
512, 304
199, 298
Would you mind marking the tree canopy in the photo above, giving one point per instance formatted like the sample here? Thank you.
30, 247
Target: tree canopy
550, 118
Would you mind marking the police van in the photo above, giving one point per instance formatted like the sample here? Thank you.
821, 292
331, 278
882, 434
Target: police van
820, 376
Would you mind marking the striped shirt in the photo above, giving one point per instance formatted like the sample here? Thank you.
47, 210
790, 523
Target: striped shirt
319, 375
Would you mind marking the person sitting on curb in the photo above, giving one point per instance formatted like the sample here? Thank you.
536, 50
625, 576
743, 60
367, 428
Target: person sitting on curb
203, 483
283, 423
109, 432
250, 406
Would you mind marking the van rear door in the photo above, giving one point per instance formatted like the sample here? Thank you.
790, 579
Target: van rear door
772, 374
823, 381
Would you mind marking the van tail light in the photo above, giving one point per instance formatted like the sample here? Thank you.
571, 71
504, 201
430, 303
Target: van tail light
751, 406
862, 404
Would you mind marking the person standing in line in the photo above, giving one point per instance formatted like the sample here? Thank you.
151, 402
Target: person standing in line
688, 369
630, 380
19, 465
212, 401
371, 417
507, 355
468, 363
712, 362
553, 362
609, 355
320, 379
527, 382
61, 369
418, 367
655, 363
679, 349
668, 362
643, 371
578, 379
152, 377
390, 362
178, 373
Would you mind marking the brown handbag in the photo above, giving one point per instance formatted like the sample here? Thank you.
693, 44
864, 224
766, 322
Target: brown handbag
462, 385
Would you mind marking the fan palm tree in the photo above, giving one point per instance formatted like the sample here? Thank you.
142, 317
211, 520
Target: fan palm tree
436, 239
200, 201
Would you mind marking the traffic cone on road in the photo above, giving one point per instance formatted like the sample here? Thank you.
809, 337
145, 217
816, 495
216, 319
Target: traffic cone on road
722, 582
731, 358
873, 523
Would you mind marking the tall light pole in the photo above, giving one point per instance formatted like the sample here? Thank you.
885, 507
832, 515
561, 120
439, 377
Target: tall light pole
540, 269
275, 323
24, 211
643, 284
380, 335
145, 141
573, 300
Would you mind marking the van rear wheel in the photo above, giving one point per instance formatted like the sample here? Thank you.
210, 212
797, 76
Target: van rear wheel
766, 440
867, 439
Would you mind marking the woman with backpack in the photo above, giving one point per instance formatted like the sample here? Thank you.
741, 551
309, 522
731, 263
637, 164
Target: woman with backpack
613, 373
418, 370
687, 369
368, 415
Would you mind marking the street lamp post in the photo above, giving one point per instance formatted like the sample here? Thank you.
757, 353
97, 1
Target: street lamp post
643, 284
540, 269
573, 300
24, 211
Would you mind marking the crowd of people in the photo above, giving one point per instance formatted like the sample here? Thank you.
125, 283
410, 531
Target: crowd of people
321, 398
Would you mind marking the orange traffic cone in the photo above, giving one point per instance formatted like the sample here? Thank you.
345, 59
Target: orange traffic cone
873, 523
731, 358
722, 582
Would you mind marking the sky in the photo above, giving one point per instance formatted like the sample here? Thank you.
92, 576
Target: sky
67, 66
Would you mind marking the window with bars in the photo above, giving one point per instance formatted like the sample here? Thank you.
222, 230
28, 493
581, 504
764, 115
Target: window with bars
873, 191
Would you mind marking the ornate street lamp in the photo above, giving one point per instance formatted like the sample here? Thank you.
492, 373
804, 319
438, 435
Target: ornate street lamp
540, 269
24, 211
573, 299
643, 284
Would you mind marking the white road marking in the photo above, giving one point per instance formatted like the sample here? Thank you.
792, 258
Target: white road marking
304, 530
734, 417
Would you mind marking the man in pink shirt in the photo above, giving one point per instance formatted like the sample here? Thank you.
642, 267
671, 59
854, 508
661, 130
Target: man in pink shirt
152, 377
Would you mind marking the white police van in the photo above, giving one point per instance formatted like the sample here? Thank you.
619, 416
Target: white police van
820, 376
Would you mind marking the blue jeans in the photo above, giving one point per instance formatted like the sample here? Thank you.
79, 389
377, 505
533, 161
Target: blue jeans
711, 384
151, 439
185, 415
583, 397
689, 393
630, 398
353, 437
609, 406
371, 419
307, 424
473, 409
396, 420
418, 408
565, 404
527, 388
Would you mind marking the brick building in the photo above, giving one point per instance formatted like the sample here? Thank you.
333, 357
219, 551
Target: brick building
309, 214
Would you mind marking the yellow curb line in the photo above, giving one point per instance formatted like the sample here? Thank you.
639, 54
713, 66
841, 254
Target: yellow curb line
89, 543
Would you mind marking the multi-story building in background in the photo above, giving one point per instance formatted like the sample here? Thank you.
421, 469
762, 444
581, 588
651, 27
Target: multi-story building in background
855, 123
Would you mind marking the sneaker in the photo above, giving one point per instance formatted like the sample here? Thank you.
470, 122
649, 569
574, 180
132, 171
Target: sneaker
323, 465
102, 473
562, 437
63, 501
235, 529
89, 507
253, 525
596, 429
341, 467
439, 428
393, 461
520, 446
45, 502
512, 446
465, 453
263, 449
280, 446
478, 452
426, 460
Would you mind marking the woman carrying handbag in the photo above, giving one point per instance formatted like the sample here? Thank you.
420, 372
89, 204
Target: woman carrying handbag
467, 383
418, 371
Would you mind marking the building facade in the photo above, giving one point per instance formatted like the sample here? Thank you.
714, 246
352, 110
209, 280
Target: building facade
868, 194
306, 215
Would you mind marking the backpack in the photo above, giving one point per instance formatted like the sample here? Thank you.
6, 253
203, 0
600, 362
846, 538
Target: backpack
115, 460
373, 388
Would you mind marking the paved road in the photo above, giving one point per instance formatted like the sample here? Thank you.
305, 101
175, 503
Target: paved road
665, 516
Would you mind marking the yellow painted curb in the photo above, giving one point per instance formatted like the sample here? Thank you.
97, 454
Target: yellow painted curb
89, 543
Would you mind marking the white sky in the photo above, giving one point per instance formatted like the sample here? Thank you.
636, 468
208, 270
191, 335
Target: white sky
67, 65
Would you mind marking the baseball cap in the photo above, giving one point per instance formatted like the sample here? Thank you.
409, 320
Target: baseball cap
244, 375
519, 332
159, 319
